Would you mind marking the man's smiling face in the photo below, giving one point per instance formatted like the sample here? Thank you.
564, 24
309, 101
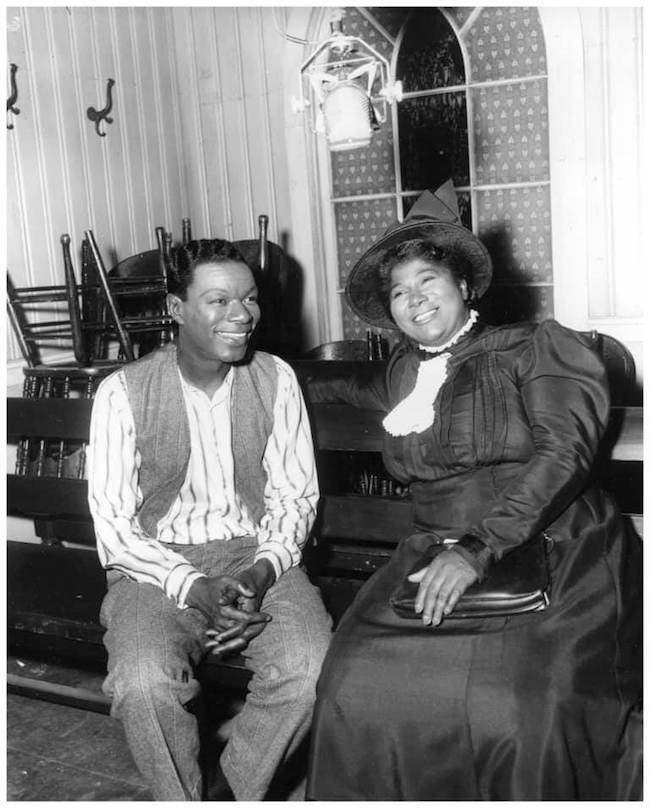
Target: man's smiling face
220, 312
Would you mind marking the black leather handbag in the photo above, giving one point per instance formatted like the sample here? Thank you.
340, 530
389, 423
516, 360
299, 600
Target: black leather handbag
516, 584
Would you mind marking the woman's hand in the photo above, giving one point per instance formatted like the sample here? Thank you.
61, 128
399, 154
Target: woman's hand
441, 584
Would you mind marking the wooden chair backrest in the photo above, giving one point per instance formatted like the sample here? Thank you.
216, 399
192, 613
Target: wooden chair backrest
51, 435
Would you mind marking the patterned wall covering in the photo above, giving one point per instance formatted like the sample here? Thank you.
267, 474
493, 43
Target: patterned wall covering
498, 155
505, 43
365, 171
358, 225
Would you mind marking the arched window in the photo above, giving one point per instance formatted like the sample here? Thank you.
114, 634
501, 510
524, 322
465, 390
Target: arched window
474, 110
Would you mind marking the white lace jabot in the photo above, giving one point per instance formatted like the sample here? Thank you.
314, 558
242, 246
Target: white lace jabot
415, 413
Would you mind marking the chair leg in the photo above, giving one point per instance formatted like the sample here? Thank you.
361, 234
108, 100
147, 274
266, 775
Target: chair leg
15, 318
263, 222
72, 293
122, 334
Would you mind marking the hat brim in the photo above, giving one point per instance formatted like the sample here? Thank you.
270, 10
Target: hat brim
362, 288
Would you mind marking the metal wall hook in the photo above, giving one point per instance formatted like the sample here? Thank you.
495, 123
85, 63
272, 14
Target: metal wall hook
14, 95
102, 114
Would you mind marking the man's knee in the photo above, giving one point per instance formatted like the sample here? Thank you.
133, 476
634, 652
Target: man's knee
304, 661
145, 684
310, 659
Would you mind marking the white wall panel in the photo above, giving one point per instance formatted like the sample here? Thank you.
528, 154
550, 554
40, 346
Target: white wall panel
169, 198
596, 136
105, 170
203, 128
258, 119
63, 177
236, 153
27, 151
231, 74
198, 130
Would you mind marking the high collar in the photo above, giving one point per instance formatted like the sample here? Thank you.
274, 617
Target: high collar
459, 346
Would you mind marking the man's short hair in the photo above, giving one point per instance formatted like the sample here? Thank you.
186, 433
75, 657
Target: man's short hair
185, 258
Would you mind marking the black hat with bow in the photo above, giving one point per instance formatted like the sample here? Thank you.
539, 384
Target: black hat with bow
433, 217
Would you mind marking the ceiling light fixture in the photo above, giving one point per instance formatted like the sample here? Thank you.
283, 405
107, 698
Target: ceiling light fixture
345, 84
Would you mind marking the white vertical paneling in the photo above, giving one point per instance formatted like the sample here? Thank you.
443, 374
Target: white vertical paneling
187, 99
85, 201
56, 30
595, 108
623, 57
62, 177
114, 61
92, 93
229, 58
217, 179
109, 63
141, 181
30, 149
280, 226
613, 108
247, 74
159, 127
257, 123
69, 125
162, 130
598, 147
268, 203
568, 190
313, 237
18, 245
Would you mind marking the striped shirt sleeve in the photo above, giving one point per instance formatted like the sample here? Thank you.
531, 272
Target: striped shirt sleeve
114, 496
291, 493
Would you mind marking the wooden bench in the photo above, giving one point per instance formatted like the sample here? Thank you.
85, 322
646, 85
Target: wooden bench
55, 587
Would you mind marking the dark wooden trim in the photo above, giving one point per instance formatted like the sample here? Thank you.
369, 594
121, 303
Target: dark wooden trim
79, 697
47, 497
376, 519
336, 427
60, 418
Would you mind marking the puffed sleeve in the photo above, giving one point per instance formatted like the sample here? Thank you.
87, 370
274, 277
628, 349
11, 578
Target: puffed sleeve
564, 392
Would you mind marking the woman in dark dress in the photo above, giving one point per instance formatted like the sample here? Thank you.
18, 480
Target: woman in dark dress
495, 429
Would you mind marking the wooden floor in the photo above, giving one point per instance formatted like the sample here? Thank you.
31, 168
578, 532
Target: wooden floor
59, 753
63, 753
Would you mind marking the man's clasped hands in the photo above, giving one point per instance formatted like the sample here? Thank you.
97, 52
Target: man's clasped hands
231, 605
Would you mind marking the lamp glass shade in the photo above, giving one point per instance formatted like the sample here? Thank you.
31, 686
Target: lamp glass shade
346, 110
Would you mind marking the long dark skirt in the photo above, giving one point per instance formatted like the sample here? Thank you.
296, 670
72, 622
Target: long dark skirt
542, 706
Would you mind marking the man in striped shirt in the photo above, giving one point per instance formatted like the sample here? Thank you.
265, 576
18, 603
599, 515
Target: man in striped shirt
203, 489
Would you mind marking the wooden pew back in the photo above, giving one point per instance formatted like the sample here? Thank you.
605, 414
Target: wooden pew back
55, 588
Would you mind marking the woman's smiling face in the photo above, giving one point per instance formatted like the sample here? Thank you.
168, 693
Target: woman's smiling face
426, 302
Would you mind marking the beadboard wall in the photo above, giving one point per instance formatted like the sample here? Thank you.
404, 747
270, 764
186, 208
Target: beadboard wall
62, 176
203, 127
198, 130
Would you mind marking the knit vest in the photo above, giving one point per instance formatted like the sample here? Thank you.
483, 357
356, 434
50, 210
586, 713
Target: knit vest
163, 433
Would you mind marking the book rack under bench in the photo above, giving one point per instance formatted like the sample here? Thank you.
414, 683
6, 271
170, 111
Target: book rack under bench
55, 587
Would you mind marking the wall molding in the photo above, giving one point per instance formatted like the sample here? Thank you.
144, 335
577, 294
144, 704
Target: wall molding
314, 232
595, 145
585, 267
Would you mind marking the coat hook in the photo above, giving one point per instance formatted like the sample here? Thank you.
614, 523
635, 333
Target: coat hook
102, 114
14, 95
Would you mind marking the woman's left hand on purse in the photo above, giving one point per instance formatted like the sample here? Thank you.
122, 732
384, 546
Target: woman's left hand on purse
441, 585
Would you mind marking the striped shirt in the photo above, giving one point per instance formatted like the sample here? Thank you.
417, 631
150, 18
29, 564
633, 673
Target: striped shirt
207, 507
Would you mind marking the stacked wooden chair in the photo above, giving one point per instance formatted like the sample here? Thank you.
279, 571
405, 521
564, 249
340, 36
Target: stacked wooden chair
124, 306
139, 285
28, 309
